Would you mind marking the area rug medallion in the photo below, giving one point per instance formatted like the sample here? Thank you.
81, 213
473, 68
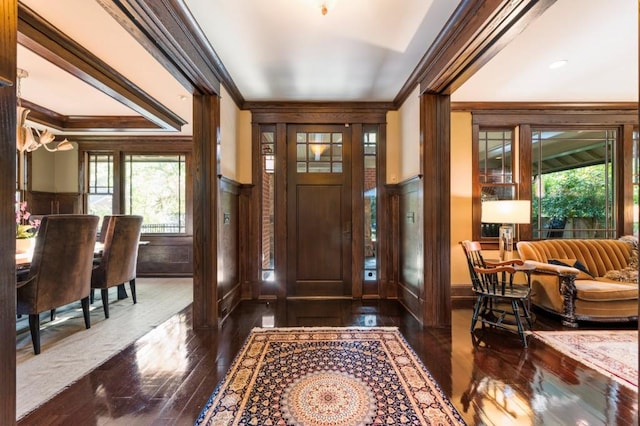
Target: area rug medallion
613, 353
327, 376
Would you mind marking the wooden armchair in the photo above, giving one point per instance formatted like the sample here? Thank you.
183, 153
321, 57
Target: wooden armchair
499, 303
60, 270
117, 264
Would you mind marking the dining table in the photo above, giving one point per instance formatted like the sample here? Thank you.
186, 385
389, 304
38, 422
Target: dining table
23, 263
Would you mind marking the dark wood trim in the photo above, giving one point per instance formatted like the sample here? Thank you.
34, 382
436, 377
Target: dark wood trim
386, 287
134, 143
357, 211
319, 113
206, 129
8, 55
556, 118
462, 292
281, 196
112, 123
435, 124
47, 41
247, 239
624, 175
254, 279
171, 35
475, 33
523, 107
525, 231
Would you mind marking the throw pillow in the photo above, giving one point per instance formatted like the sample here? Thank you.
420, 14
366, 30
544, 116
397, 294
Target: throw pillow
584, 273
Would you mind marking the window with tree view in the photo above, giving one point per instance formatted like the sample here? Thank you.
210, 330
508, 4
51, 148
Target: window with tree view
573, 183
155, 188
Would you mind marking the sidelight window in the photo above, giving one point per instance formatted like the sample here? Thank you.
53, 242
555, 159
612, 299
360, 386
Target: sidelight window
267, 164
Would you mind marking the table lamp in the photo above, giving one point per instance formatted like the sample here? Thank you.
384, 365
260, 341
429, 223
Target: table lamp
507, 213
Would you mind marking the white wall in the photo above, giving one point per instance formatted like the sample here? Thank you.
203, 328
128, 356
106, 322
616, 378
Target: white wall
410, 136
55, 171
394, 166
243, 145
461, 193
228, 132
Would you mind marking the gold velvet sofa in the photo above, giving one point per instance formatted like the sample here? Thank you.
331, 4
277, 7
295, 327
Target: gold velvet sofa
598, 283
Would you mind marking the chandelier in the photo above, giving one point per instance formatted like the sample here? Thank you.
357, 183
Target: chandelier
324, 5
29, 138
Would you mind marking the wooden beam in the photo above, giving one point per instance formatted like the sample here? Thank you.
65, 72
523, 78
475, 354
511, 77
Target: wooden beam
476, 32
104, 123
8, 64
171, 35
47, 41
435, 116
206, 133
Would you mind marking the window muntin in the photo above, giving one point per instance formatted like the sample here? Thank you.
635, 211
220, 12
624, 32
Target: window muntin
495, 166
573, 183
318, 152
495, 155
100, 185
155, 188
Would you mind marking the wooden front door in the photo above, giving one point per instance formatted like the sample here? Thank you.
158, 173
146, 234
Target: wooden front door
319, 211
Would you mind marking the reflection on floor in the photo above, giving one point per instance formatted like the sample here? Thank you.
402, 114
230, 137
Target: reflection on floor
167, 376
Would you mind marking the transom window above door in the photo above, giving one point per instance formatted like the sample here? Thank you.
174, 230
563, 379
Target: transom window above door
319, 152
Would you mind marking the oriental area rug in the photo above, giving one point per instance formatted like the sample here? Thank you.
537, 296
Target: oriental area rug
325, 376
613, 353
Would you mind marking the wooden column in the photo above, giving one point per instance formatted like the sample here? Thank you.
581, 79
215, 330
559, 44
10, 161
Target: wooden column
435, 122
8, 49
206, 131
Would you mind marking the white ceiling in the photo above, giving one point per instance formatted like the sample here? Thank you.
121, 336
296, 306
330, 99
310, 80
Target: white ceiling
362, 50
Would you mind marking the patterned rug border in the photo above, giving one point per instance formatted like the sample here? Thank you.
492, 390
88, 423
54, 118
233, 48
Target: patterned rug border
455, 415
550, 338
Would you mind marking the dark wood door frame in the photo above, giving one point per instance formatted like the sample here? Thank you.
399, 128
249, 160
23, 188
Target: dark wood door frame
8, 64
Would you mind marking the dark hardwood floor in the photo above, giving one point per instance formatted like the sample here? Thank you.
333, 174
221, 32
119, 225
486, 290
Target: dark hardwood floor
167, 376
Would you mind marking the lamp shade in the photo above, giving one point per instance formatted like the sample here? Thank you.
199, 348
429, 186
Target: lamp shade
506, 211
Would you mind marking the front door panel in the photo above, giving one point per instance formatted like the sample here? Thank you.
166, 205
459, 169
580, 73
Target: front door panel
319, 211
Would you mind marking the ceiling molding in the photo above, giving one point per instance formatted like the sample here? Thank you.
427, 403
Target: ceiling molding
39, 36
104, 123
170, 33
475, 33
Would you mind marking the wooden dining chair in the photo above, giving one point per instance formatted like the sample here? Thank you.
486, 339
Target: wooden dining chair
60, 271
117, 264
499, 301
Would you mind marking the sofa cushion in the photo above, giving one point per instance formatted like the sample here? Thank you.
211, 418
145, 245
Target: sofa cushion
600, 291
574, 263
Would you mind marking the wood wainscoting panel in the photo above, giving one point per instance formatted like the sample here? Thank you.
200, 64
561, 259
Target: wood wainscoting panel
411, 269
165, 256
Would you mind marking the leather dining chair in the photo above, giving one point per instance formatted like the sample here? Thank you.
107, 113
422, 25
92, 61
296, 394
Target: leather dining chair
117, 265
60, 271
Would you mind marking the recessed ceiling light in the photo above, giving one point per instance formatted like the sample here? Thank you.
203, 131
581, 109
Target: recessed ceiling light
182, 97
558, 64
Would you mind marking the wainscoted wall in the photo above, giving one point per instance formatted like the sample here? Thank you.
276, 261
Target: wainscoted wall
410, 234
228, 247
165, 256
